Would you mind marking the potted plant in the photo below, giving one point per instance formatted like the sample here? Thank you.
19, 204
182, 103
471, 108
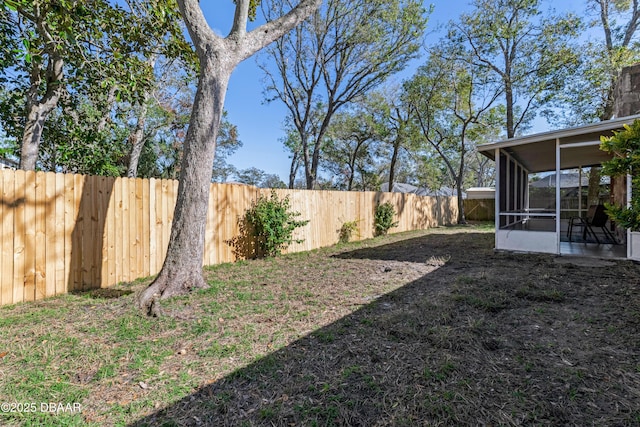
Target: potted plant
625, 148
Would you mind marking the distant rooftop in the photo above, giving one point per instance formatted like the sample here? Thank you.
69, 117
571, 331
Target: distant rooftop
8, 164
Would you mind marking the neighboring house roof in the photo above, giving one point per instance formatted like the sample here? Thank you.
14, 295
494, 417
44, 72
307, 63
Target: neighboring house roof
8, 164
537, 153
567, 180
481, 193
401, 187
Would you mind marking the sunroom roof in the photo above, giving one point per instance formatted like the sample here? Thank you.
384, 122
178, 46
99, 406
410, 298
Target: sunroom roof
537, 152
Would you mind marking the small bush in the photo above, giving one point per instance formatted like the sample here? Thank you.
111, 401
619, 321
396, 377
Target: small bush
347, 230
269, 224
625, 148
383, 218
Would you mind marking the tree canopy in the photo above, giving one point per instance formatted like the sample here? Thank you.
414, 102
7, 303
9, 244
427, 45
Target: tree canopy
340, 53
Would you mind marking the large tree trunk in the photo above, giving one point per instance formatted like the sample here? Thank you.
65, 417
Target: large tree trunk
34, 125
509, 100
352, 163
108, 106
315, 162
308, 171
392, 165
352, 173
293, 170
461, 215
182, 269
136, 139
38, 110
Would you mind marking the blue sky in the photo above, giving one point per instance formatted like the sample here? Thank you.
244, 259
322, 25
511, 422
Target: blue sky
260, 125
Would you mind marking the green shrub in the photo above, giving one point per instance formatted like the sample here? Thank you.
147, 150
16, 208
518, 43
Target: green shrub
383, 218
625, 148
347, 230
271, 223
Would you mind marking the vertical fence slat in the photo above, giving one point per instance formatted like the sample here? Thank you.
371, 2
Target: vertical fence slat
125, 220
165, 217
134, 239
8, 236
159, 252
109, 273
103, 251
68, 224
153, 239
50, 236
19, 238
209, 230
118, 228
99, 200
29, 276
77, 250
40, 240
140, 236
97, 224
146, 238
133, 232
226, 217
88, 237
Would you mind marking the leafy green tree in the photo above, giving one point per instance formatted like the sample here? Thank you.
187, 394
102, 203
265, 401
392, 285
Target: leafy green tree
74, 142
339, 54
55, 39
218, 56
259, 178
166, 123
227, 144
251, 176
530, 55
166, 44
591, 93
70, 53
272, 180
397, 132
613, 44
448, 101
480, 170
350, 145
293, 146
619, 21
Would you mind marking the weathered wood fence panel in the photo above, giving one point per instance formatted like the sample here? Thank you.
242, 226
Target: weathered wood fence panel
63, 233
480, 209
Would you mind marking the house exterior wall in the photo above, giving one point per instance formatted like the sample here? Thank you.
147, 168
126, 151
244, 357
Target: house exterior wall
628, 92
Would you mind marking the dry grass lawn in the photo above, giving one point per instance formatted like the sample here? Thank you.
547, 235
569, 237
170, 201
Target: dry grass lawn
421, 328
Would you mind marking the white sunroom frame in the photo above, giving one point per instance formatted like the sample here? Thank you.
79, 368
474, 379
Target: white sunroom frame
551, 151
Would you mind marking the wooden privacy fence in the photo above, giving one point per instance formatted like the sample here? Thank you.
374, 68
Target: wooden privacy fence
63, 233
480, 209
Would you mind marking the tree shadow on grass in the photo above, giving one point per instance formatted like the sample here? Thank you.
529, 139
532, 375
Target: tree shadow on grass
469, 343
419, 249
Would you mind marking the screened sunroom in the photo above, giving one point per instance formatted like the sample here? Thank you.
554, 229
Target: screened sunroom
542, 194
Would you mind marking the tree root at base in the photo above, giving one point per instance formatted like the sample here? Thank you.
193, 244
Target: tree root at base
163, 288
